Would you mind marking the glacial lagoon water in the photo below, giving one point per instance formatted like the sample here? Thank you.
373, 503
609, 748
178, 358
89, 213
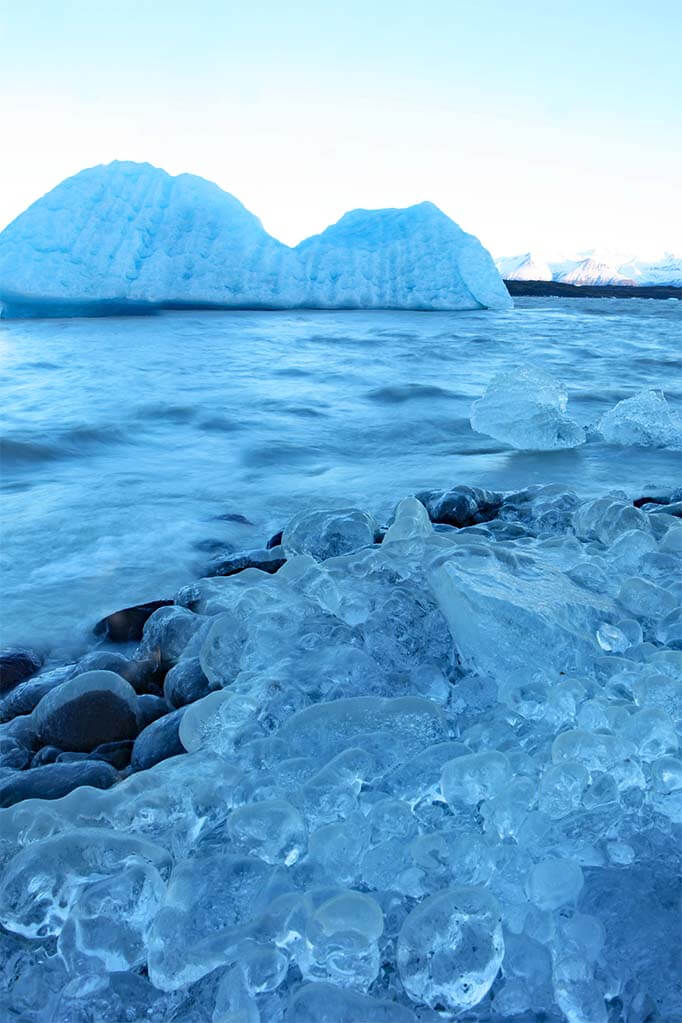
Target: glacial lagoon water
133, 449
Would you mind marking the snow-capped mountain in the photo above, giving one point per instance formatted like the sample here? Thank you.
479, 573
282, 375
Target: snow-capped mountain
591, 271
129, 233
524, 268
593, 267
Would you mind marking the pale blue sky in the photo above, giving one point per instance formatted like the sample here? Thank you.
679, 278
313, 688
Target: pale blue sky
534, 125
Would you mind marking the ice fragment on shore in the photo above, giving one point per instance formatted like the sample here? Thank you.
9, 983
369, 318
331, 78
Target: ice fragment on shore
526, 409
450, 949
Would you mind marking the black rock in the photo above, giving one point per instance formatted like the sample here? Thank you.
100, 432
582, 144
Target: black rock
16, 666
45, 755
126, 625
275, 541
158, 742
266, 559
115, 753
235, 517
86, 711
185, 683
71, 757
149, 708
52, 781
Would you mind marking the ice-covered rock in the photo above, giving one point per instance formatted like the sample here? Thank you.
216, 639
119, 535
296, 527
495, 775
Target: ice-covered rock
129, 236
645, 420
526, 409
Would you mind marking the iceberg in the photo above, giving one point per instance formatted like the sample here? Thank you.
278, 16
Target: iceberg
128, 237
526, 409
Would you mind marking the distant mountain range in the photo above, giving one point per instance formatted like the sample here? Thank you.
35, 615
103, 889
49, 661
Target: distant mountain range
592, 268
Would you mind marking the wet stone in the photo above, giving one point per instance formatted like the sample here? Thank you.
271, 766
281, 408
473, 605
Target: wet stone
17, 666
266, 559
185, 683
158, 741
126, 625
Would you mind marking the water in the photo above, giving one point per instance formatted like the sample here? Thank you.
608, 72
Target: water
126, 439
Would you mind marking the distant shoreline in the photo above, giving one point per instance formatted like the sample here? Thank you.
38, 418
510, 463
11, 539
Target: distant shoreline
558, 290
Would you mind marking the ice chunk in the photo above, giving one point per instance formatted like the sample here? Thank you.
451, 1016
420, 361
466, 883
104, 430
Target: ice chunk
645, 420
450, 949
210, 903
271, 829
526, 409
41, 883
341, 941
327, 728
475, 777
327, 534
516, 618
554, 883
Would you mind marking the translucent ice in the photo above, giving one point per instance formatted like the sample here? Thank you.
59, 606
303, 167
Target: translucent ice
450, 949
645, 420
526, 409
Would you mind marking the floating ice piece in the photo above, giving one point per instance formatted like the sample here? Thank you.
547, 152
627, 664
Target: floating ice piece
450, 948
646, 420
526, 409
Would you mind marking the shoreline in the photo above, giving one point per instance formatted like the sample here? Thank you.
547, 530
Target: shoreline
556, 289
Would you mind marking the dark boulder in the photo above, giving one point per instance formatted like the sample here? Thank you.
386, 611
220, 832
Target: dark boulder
126, 625
52, 781
86, 711
16, 666
266, 559
158, 742
185, 683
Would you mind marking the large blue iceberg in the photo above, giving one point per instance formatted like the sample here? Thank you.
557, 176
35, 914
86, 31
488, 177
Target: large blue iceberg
130, 237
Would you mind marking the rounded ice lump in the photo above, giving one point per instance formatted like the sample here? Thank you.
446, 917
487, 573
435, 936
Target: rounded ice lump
450, 949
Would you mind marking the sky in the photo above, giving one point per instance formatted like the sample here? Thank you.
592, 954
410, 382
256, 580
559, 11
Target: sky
548, 127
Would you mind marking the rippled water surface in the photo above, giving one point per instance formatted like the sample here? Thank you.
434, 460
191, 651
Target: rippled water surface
129, 442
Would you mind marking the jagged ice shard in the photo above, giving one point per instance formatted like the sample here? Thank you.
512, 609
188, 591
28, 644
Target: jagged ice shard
129, 236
